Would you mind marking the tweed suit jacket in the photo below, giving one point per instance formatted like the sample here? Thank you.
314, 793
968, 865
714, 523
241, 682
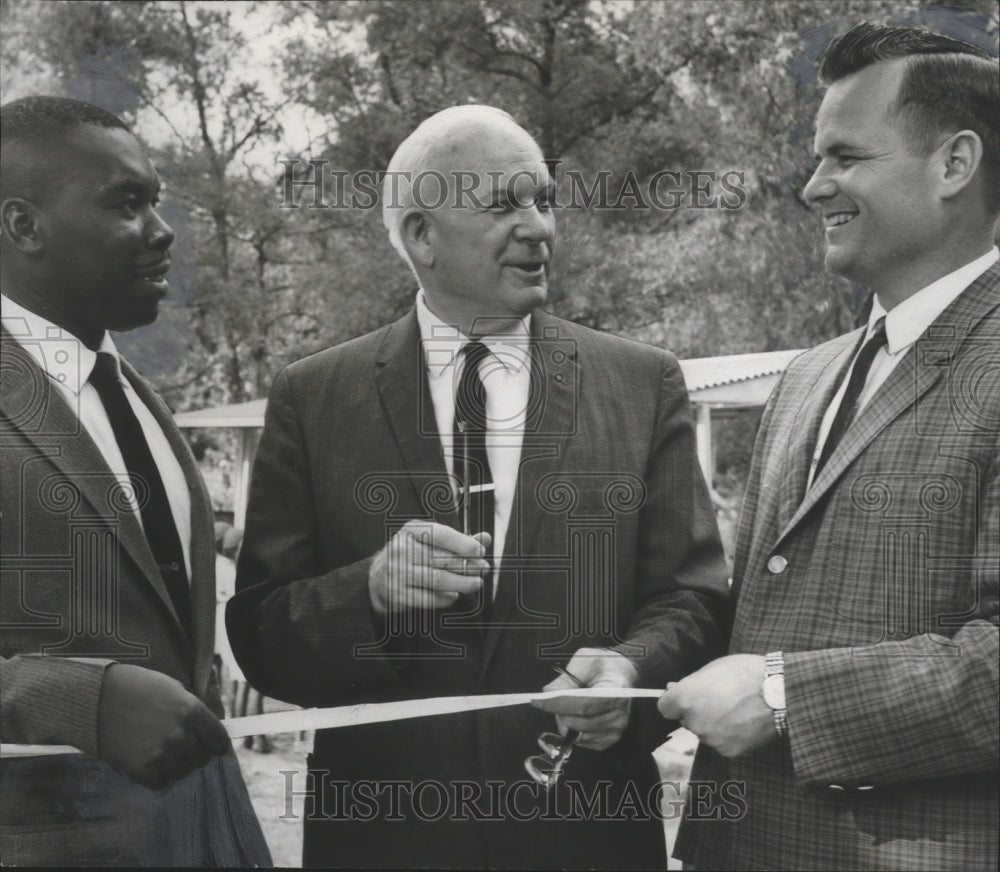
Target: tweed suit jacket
81, 590
880, 586
612, 542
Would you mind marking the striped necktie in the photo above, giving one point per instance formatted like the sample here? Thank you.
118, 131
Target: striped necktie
472, 465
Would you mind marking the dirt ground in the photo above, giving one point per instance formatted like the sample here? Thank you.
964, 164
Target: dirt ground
280, 819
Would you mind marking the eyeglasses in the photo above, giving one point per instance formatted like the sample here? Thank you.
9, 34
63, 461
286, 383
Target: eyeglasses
548, 767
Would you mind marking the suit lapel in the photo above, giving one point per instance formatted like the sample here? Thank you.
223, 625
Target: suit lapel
904, 387
785, 467
401, 380
802, 442
913, 377
41, 414
553, 414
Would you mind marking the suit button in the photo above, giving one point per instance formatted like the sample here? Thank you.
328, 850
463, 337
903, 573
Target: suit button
865, 787
836, 787
776, 565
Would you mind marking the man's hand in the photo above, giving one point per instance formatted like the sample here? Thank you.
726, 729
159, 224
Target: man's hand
151, 729
722, 705
600, 722
426, 566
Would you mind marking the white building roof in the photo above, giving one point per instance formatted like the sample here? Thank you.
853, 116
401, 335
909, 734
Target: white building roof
238, 415
735, 379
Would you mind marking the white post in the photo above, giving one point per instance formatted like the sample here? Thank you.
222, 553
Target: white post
246, 448
703, 440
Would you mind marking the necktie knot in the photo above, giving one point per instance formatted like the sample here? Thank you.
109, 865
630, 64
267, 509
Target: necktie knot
878, 337
475, 352
863, 362
105, 371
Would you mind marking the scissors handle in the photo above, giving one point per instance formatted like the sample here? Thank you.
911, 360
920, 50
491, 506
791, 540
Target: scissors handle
569, 675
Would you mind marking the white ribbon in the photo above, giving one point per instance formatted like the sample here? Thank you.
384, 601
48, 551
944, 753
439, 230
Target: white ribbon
369, 713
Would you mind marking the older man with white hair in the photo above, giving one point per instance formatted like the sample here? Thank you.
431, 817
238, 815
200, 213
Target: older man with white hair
456, 504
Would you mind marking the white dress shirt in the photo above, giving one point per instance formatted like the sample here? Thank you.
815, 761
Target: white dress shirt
904, 324
68, 363
506, 376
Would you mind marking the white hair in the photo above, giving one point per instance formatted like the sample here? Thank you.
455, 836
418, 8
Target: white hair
415, 156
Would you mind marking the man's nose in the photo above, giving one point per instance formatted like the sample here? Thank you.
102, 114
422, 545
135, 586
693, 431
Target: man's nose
819, 187
535, 224
159, 234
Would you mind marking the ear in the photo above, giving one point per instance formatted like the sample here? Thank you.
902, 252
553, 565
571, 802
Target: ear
415, 231
961, 155
19, 222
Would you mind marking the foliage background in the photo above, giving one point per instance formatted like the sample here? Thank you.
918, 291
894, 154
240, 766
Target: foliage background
223, 92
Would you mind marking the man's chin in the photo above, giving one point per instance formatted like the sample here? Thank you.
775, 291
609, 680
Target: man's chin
533, 296
138, 312
839, 262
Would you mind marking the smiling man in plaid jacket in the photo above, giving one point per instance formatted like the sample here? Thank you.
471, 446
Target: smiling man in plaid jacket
855, 719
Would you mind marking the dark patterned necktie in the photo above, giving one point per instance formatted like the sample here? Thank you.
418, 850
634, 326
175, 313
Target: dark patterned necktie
849, 403
157, 519
472, 466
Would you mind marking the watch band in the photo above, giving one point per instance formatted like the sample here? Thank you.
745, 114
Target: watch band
774, 666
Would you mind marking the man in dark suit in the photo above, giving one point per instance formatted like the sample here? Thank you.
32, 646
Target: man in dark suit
458, 502
857, 711
108, 565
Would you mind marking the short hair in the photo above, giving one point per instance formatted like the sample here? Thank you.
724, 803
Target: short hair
947, 85
31, 123
414, 155
31, 117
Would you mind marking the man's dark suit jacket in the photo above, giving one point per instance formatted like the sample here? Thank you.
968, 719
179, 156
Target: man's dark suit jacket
612, 542
880, 585
81, 590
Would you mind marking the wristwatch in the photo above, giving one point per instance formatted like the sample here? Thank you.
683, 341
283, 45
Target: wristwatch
773, 690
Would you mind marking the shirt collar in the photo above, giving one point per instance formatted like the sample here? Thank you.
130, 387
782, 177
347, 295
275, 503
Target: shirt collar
910, 319
443, 342
59, 354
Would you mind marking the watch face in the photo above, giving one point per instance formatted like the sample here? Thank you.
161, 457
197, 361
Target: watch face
773, 691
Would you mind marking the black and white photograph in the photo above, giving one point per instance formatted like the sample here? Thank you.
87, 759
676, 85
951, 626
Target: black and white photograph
500, 434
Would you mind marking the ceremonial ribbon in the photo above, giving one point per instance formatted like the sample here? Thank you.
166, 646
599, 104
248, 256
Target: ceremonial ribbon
297, 720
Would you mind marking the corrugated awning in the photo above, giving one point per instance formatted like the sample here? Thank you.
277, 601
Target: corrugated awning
709, 372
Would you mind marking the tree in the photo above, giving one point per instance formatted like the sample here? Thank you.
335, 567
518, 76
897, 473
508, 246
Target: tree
619, 95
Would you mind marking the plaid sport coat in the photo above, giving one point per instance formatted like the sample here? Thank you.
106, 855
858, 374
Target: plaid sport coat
880, 586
